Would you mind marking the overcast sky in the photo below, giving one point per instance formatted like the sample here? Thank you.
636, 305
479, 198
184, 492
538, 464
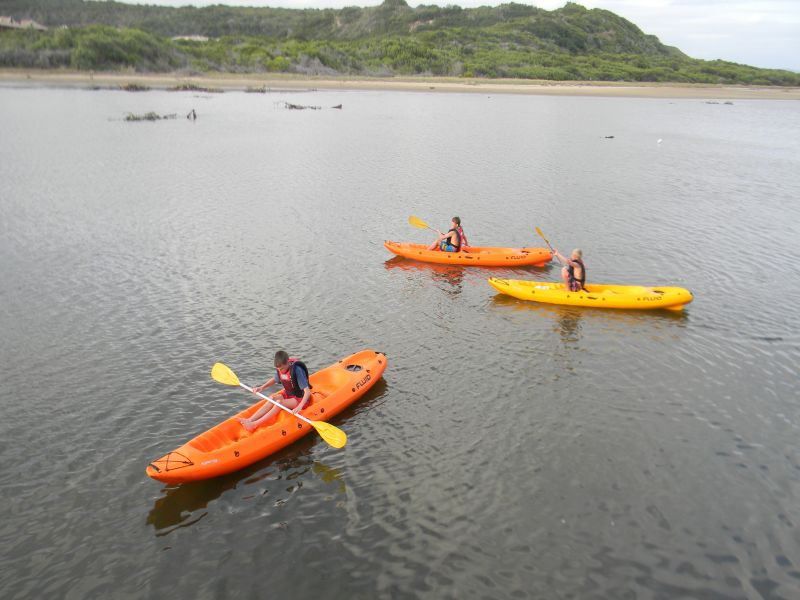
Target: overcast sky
764, 33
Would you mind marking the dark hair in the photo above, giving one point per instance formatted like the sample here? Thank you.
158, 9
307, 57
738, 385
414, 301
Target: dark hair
457, 220
281, 358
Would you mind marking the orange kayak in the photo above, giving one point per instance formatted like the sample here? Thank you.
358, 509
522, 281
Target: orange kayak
478, 256
229, 447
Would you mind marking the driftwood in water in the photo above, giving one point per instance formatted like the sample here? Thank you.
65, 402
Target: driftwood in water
151, 116
291, 106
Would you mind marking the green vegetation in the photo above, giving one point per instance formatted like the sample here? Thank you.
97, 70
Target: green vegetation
134, 87
191, 87
511, 40
94, 47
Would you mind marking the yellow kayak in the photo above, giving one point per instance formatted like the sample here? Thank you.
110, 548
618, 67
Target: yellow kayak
597, 294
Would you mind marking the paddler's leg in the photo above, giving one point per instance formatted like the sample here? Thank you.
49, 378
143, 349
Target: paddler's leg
565, 277
291, 403
263, 414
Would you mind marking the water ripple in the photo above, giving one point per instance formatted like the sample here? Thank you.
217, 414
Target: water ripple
512, 448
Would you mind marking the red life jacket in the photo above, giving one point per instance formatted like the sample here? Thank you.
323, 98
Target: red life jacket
289, 379
462, 238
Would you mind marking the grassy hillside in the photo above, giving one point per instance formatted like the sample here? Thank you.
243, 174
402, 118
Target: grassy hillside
512, 40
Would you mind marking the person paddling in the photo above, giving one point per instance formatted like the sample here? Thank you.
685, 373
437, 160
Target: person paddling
295, 395
574, 271
452, 241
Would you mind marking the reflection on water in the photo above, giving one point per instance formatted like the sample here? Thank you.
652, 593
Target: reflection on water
184, 505
568, 318
569, 326
330, 475
180, 504
452, 276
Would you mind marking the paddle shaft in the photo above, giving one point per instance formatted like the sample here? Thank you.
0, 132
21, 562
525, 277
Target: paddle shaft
268, 399
546, 241
558, 258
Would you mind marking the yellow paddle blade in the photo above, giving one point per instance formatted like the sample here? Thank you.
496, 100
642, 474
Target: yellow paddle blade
417, 222
223, 374
333, 435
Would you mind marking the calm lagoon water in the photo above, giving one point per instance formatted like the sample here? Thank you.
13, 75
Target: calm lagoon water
513, 451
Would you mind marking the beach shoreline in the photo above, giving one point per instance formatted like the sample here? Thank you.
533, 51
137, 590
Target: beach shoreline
286, 82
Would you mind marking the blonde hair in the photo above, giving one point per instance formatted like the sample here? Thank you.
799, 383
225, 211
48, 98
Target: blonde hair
577, 252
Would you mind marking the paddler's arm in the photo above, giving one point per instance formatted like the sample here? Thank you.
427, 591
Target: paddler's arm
304, 401
266, 384
267, 405
302, 383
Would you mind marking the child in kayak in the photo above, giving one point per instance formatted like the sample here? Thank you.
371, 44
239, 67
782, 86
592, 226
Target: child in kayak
574, 271
296, 392
452, 241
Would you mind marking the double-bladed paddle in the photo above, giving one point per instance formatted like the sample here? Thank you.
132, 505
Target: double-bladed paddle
546, 241
420, 224
332, 435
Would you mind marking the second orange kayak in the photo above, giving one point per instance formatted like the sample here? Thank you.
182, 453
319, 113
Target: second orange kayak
478, 256
229, 447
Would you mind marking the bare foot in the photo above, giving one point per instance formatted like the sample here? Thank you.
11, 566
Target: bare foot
249, 426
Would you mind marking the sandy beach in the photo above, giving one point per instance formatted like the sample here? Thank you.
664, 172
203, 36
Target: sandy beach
278, 82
